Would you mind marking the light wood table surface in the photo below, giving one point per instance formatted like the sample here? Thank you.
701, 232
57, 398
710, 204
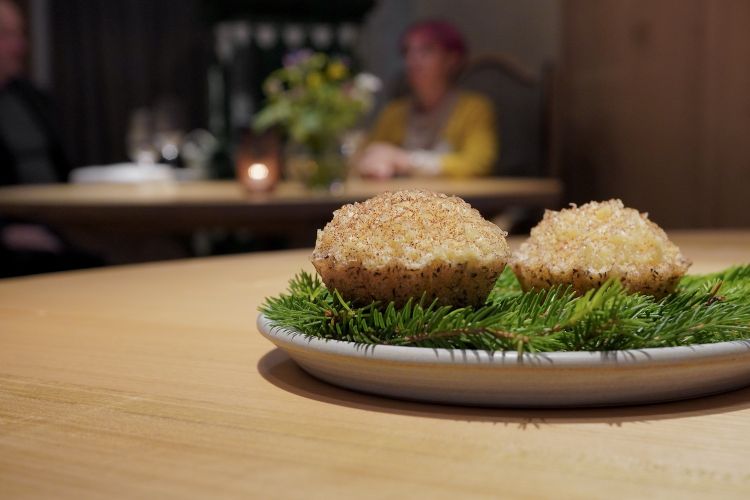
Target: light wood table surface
152, 381
187, 206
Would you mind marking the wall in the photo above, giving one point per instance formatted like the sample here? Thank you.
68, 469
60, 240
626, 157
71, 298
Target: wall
528, 30
657, 107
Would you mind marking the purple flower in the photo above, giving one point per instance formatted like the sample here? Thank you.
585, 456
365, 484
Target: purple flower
297, 57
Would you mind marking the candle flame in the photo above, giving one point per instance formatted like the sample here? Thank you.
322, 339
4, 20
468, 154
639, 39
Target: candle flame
257, 171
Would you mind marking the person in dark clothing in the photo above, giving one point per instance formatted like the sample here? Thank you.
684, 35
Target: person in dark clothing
30, 153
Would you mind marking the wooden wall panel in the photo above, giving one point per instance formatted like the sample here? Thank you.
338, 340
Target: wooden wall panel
727, 112
654, 112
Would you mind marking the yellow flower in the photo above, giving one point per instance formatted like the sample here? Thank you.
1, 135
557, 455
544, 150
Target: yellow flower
314, 80
337, 70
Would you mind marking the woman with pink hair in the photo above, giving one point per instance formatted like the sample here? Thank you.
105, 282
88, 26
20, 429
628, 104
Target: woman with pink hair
437, 129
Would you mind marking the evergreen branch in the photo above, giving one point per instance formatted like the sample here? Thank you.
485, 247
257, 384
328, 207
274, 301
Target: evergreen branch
704, 309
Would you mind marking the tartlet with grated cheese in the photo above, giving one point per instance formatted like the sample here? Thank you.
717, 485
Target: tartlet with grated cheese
399, 245
584, 246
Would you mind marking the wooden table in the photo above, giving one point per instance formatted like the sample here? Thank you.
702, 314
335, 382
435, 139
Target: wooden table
152, 381
186, 206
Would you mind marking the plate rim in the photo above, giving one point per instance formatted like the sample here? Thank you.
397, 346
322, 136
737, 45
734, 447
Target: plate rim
479, 357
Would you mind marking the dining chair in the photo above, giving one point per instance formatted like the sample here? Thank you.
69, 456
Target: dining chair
525, 109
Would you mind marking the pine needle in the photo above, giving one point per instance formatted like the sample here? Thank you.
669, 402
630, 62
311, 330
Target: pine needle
704, 309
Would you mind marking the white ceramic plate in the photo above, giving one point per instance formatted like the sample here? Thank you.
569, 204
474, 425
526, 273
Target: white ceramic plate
483, 378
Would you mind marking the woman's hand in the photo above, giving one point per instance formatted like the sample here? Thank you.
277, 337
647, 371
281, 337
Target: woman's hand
381, 160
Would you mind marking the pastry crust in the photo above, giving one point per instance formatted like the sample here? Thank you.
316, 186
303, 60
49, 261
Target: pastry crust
398, 246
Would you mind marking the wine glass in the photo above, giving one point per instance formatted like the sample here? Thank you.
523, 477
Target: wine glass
141, 147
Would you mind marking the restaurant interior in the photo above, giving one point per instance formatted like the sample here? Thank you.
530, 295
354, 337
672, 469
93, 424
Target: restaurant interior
168, 166
149, 113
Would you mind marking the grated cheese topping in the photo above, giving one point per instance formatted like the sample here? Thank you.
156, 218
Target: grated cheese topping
411, 228
601, 237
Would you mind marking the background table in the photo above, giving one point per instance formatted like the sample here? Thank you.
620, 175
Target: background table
152, 380
187, 206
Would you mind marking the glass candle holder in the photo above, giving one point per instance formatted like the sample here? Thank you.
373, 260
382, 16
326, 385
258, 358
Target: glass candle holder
258, 161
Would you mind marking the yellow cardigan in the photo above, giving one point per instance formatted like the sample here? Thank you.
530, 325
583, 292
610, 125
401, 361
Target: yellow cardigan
470, 131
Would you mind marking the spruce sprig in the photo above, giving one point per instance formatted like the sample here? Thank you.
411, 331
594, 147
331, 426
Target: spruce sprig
704, 309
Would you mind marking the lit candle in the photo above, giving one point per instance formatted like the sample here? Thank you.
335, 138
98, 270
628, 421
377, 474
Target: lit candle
257, 163
257, 171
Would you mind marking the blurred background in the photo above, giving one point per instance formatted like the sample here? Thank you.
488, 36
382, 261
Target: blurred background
647, 101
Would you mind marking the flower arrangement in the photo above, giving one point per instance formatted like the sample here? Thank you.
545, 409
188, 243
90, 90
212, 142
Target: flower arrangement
314, 98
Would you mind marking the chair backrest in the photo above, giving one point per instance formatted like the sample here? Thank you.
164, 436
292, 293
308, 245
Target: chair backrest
520, 107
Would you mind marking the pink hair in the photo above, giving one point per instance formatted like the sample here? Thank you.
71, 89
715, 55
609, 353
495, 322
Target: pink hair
442, 33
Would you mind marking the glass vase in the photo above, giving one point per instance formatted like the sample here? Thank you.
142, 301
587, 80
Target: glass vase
319, 165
